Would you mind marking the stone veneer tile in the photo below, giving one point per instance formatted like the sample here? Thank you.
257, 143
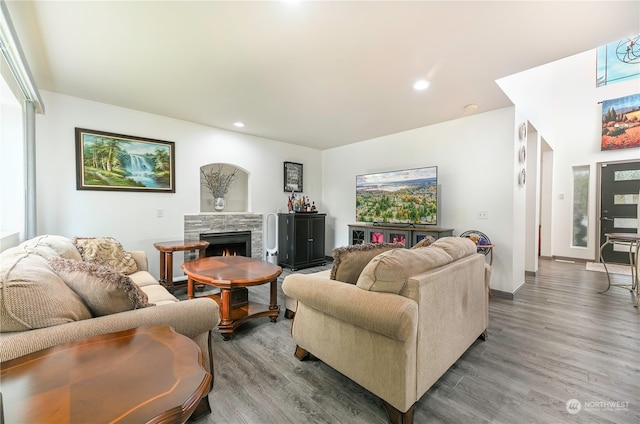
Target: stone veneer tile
212, 222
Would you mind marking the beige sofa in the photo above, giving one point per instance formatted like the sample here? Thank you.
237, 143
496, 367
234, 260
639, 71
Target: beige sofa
38, 308
409, 316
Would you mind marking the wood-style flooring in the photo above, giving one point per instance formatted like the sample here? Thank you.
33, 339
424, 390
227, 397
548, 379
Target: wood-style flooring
558, 340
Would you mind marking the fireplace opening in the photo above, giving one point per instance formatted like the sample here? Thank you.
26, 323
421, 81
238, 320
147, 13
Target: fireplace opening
235, 243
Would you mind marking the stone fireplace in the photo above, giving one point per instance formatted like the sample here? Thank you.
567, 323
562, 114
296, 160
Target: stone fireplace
240, 230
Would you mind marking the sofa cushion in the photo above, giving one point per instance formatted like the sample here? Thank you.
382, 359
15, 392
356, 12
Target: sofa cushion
33, 296
63, 246
106, 251
456, 247
349, 261
389, 271
158, 295
104, 290
143, 278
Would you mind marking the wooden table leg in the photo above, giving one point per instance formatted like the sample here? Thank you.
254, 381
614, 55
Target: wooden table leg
163, 270
169, 272
225, 314
190, 288
273, 299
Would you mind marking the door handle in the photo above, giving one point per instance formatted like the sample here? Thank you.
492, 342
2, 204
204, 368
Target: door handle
604, 218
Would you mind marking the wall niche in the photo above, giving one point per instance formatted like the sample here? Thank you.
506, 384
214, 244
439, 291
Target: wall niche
237, 199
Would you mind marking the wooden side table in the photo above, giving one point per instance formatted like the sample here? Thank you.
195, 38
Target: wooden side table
166, 249
141, 375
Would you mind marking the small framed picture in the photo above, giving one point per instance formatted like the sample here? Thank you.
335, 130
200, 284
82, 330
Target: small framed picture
292, 177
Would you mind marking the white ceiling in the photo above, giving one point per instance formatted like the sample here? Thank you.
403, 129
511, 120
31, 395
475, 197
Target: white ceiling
320, 74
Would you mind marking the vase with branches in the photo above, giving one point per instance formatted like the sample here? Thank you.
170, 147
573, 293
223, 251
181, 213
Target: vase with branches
218, 182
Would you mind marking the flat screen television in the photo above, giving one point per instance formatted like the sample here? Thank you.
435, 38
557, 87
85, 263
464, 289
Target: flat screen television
408, 196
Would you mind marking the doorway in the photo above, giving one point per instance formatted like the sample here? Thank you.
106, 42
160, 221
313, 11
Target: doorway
619, 198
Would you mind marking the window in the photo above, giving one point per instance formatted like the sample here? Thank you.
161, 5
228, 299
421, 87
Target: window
11, 163
580, 205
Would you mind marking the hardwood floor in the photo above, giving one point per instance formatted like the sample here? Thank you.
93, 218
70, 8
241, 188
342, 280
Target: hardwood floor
557, 340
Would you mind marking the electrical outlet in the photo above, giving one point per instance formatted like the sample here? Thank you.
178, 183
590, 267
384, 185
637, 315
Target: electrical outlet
483, 215
160, 213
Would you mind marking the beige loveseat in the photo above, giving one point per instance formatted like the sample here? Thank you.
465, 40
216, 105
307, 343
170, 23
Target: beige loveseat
409, 316
39, 308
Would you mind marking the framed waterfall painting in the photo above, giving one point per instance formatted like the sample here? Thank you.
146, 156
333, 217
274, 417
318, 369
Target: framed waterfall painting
108, 161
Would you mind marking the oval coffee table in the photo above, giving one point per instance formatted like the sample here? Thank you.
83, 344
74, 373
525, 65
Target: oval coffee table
232, 275
141, 375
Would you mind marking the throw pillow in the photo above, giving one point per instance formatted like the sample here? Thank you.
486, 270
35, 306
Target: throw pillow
456, 247
63, 246
349, 261
427, 241
33, 296
389, 271
104, 291
106, 251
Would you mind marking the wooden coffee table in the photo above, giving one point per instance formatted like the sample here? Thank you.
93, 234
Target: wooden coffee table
233, 274
142, 375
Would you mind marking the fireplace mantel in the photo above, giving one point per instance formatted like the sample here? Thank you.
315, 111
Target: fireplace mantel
222, 222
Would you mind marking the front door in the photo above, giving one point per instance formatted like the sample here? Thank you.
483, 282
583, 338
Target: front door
619, 193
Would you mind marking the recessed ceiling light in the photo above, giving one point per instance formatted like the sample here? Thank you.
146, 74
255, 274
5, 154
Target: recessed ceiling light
471, 107
421, 84
238, 124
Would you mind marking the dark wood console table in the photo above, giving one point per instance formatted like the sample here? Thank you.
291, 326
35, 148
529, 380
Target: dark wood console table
166, 249
380, 233
142, 375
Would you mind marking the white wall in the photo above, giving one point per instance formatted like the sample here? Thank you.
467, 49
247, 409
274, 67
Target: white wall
477, 166
130, 216
561, 101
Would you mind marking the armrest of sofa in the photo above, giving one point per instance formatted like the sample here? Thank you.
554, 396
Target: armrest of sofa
142, 262
191, 318
389, 314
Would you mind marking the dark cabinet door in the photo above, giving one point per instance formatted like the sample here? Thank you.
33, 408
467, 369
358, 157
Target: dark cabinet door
302, 236
316, 242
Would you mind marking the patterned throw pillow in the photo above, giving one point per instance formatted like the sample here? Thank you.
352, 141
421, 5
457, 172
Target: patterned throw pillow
106, 251
424, 242
349, 261
103, 290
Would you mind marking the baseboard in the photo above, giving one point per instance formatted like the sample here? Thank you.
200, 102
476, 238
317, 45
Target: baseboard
501, 294
570, 259
506, 295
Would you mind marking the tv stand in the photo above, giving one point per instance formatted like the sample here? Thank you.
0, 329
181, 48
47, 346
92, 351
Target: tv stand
389, 233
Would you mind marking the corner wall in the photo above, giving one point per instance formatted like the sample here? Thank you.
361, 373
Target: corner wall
477, 166
131, 217
561, 101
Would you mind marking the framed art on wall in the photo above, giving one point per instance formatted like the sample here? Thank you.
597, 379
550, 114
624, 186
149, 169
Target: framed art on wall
621, 123
292, 177
116, 162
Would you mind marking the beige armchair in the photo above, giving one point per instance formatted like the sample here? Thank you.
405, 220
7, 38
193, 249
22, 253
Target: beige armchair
409, 317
